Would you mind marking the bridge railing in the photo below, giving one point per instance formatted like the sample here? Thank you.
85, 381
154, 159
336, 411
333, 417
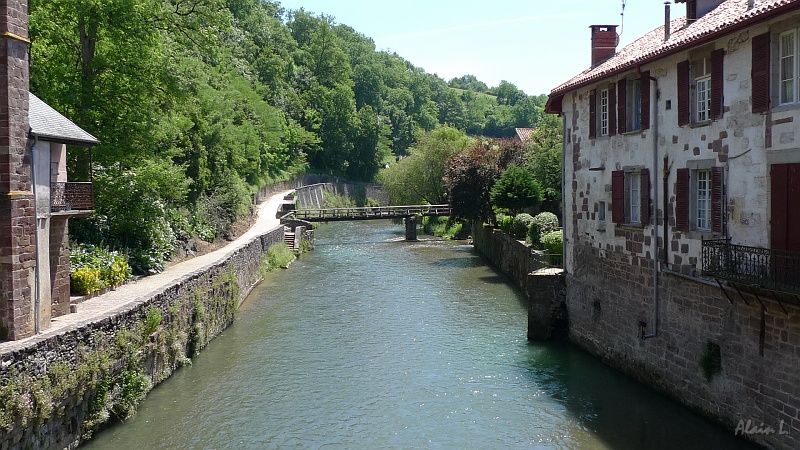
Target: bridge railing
375, 212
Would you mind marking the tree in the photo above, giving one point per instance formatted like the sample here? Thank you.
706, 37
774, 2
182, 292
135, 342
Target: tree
469, 177
515, 190
418, 178
543, 157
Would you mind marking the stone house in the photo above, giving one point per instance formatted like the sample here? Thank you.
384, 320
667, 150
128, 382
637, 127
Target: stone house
682, 209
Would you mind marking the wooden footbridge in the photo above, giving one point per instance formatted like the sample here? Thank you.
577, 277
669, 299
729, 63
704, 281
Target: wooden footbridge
409, 213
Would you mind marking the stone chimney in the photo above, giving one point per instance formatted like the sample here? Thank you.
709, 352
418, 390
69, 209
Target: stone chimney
17, 204
604, 42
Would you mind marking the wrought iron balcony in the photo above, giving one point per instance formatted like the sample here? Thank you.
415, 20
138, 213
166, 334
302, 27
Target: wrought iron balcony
71, 197
776, 270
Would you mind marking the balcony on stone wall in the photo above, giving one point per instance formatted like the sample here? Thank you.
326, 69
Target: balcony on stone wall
74, 199
762, 268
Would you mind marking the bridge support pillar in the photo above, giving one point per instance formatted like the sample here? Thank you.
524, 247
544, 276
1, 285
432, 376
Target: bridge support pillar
411, 228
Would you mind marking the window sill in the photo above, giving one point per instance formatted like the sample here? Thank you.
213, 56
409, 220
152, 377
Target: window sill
786, 107
632, 132
630, 226
702, 235
704, 123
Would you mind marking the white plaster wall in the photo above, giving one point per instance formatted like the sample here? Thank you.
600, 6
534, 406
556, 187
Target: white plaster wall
741, 136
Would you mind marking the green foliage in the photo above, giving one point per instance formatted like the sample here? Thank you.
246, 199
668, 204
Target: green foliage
111, 267
417, 178
85, 280
152, 321
445, 227
279, 255
521, 224
506, 223
543, 157
553, 244
515, 190
546, 222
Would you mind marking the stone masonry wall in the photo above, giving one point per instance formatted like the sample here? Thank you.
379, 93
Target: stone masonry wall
59, 266
58, 388
610, 293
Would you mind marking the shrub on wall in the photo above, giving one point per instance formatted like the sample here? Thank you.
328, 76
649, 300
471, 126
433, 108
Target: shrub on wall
522, 222
553, 244
85, 280
111, 268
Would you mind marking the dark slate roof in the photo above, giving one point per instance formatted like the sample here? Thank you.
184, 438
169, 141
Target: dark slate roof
728, 17
49, 125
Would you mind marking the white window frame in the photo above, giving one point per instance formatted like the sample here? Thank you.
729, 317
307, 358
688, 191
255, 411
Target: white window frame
633, 197
701, 199
701, 90
603, 105
788, 61
633, 110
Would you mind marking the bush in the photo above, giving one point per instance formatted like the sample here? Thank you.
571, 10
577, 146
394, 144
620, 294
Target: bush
111, 266
554, 245
279, 255
544, 223
506, 223
516, 189
84, 281
522, 222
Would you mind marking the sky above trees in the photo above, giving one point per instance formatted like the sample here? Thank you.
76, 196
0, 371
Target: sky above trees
535, 45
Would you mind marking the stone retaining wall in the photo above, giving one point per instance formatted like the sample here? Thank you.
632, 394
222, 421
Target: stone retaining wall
55, 391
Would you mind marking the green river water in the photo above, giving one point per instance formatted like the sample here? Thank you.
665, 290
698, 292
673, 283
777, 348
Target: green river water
370, 342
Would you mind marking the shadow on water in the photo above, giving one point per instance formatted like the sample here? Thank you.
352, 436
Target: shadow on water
624, 414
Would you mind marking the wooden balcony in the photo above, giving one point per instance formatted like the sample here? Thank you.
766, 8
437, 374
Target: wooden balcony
72, 198
764, 268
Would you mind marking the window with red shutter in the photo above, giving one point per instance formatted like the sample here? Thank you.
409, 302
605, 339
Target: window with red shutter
645, 100
612, 110
682, 201
622, 116
683, 93
717, 200
760, 73
645, 196
618, 196
592, 114
717, 82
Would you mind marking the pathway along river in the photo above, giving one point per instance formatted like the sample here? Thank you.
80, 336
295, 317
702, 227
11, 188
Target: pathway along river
371, 342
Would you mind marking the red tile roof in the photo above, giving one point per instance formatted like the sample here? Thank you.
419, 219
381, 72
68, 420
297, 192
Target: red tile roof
524, 134
729, 16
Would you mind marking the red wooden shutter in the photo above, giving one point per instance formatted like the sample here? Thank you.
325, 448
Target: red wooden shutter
717, 197
778, 175
682, 201
645, 80
683, 93
717, 82
592, 114
645, 195
622, 115
760, 73
612, 109
618, 196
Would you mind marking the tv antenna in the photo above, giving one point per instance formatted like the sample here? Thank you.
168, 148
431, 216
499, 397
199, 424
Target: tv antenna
622, 19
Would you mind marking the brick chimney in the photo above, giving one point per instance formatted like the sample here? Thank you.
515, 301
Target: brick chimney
604, 42
17, 204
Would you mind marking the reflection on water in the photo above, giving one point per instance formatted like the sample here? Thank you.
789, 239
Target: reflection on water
372, 342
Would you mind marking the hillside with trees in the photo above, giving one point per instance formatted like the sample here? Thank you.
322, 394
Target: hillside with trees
199, 103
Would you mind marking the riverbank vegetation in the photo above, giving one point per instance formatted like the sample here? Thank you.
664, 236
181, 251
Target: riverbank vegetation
200, 103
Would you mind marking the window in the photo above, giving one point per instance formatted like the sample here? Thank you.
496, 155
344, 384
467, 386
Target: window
702, 200
630, 202
604, 112
701, 71
601, 211
633, 119
700, 90
699, 198
787, 67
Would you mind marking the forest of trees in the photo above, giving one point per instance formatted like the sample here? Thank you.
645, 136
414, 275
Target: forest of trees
198, 103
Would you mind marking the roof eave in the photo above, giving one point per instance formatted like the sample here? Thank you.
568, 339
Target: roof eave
669, 52
63, 140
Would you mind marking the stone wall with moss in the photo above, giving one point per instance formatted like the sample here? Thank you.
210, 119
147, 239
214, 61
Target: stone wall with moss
56, 391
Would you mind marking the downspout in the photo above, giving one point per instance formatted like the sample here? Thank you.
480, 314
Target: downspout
37, 314
563, 189
654, 244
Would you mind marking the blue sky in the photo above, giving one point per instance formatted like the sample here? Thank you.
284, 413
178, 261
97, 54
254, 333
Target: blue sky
534, 44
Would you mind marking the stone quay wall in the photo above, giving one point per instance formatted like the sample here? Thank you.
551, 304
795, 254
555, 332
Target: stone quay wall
306, 185
544, 287
57, 389
714, 353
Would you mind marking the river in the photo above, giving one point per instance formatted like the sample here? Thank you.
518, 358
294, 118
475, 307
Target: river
371, 342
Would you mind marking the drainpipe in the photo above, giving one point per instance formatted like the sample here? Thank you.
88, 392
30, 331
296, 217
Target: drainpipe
37, 314
654, 245
563, 189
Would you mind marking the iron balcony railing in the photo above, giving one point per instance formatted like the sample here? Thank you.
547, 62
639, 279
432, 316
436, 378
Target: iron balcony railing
777, 270
71, 196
